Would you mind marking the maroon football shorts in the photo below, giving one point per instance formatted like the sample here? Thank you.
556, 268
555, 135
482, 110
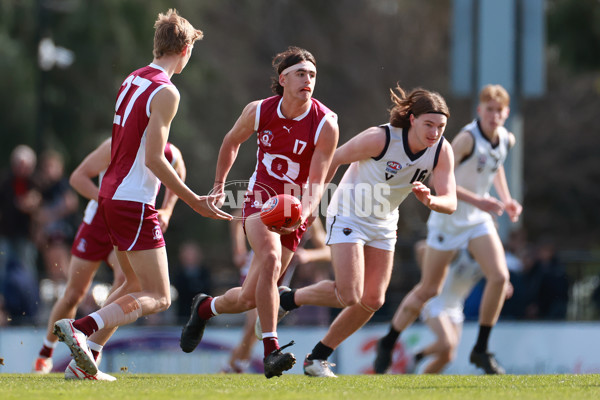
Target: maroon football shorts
132, 225
289, 241
92, 242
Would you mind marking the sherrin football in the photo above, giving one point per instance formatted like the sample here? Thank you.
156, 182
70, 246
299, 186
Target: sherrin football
281, 211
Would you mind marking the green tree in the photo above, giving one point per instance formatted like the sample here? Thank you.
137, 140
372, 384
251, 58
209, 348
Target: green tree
574, 29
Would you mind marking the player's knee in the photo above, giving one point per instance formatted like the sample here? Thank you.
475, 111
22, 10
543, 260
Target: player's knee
131, 287
247, 301
413, 303
446, 355
446, 346
271, 265
498, 279
74, 296
350, 300
163, 303
425, 293
350, 296
118, 280
373, 302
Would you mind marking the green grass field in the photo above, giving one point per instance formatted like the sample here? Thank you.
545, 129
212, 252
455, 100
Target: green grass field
288, 387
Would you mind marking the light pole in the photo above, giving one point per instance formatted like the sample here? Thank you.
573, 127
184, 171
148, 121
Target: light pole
500, 42
49, 56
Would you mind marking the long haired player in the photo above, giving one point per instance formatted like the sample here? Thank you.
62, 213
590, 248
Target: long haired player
296, 136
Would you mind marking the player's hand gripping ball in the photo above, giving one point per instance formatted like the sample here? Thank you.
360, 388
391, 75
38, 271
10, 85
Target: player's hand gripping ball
281, 211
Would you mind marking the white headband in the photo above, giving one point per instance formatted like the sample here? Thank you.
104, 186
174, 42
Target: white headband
307, 65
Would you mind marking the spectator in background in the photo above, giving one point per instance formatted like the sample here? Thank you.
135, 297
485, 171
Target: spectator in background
21, 293
515, 248
595, 297
18, 202
55, 220
547, 284
518, 255
191, 275
3, 312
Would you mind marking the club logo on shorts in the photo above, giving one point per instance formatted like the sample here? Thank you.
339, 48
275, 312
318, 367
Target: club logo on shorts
82, 245
347, 231
156, 232
266, 137
440, 238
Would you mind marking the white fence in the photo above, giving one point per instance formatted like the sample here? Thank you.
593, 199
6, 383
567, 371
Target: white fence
522, 348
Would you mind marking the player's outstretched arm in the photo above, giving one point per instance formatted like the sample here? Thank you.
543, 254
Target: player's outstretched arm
162, 111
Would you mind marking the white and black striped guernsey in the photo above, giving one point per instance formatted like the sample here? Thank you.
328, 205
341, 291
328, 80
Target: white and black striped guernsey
372, 189
475, 173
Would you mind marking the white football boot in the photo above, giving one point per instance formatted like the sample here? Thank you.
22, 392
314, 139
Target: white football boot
77, 342
318, 368
74, 372
42, 366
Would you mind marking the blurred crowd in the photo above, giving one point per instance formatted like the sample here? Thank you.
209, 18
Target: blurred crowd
539, 278
39, 213
38, 218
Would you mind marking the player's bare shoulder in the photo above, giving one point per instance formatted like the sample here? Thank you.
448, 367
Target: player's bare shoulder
511, 139
376, 133
245, 123
331, 122
463, 144
373, 139
165, 99
330, 131
446, 153
170, 92
251, 109
367, 144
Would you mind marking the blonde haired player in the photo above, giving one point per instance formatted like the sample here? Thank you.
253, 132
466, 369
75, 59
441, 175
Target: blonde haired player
146, 105
90, 247
480, 149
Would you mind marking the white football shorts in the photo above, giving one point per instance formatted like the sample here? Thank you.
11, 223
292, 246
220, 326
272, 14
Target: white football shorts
442, 241
342, 229
436, 307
